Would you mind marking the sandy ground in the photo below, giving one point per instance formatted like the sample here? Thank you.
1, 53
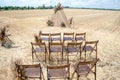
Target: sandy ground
98, 24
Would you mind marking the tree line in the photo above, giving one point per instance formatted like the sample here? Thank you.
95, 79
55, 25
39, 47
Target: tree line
47, 7
27, 7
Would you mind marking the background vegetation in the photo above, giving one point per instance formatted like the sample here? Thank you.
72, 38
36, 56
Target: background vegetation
26, 7
46, 7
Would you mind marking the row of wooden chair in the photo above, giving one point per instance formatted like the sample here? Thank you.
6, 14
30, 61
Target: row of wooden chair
58, 47
56, 72
50, 37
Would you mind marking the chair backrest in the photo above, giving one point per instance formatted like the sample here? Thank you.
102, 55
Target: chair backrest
80, 37
55, 37
90, 46
30, 71
57, 48
37, 48
74, 46
58, 72
44, 36
68, 37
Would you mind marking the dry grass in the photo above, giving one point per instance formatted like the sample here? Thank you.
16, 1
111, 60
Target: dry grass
98, 24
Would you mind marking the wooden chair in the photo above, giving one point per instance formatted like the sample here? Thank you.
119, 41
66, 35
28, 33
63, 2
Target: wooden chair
44, 36
80, 37
55, 37
85, 68
89, 47
56, 47
38, 48
33, 71
58, 72
68, 37
74, 47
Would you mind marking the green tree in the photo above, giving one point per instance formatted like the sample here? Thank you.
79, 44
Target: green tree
43, 6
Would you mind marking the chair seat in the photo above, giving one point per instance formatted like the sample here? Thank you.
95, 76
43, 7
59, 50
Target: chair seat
67, 38
32, 72
88, 48
73, 49
39, 49
56, 49
57, 73
45, 39
83, 69
56, 39
79, 38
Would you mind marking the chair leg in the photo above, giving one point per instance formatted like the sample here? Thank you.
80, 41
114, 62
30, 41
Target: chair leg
45, 58
77, 77
68, 78
80, 56
95, 76
37, 57
95, 72
85, 55
73, 75
96, 54
32, 57
62, 56
49, 57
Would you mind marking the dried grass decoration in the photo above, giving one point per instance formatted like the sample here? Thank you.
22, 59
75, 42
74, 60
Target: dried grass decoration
37, 40
63, 24
58, 7
50, 23
2, 34
6, 42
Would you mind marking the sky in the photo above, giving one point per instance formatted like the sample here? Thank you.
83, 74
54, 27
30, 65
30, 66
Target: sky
110, 4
